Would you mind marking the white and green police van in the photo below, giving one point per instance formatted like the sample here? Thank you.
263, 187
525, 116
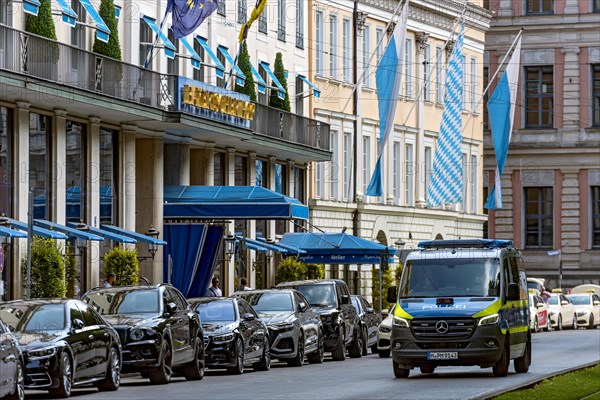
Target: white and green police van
461, 302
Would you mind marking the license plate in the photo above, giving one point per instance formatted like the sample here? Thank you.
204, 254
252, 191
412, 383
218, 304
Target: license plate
443, 355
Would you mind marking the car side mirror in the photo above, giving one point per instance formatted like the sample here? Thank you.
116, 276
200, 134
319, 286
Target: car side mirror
513, 292
345, 299
596, 303
171, 308
248, 317
369, 310
11, 328
564, 303
392, 294
303, 306
539, 305
77, 323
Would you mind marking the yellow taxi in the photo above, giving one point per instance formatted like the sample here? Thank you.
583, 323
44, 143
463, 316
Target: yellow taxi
562, 311
538, 309
587, 306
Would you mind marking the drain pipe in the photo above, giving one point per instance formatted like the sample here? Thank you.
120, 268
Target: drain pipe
355, 113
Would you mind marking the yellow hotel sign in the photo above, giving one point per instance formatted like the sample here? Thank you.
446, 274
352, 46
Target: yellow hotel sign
217, 102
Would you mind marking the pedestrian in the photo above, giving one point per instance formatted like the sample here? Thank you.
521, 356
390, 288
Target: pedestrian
214, 290
545, 295
243, 283
110, 280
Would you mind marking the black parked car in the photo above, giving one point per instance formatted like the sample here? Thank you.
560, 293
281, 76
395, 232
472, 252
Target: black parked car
159, 331
234, 336
12, 381
295, 329
331, 299
65, 344
369, 321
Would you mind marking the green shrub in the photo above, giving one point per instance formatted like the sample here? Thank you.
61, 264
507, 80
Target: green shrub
244, 64
315, 271
47, 269
124, 264
111, 49
279, 72
290, 269
42, 24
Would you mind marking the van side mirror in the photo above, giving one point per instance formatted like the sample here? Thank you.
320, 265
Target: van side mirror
392, 294
171, 308
513, 292
345, 299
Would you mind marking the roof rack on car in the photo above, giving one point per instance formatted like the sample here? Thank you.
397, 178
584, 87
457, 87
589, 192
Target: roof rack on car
466, 244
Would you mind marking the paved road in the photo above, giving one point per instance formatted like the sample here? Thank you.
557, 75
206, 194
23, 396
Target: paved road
366, 378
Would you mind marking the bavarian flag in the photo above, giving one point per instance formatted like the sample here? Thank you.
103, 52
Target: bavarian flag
258, 9
189, 14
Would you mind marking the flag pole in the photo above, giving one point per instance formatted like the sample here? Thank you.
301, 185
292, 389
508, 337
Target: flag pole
234, 63
162, 25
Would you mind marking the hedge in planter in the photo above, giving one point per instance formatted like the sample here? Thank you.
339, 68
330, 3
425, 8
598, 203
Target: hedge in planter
244, 64
124, 264
290, 269
279, 72
47, 269
111, 49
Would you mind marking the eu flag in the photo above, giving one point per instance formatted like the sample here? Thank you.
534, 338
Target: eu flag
189, 14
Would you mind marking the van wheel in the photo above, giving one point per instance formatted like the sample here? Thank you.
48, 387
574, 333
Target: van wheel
501, 367
400, 372
522, 363
339, 353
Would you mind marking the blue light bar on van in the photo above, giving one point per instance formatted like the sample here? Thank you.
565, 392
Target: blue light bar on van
465, 244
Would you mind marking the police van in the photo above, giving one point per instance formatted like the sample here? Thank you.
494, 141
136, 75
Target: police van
461, 302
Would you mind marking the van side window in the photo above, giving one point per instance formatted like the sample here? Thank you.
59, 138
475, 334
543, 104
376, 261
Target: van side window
506, 271
514, 270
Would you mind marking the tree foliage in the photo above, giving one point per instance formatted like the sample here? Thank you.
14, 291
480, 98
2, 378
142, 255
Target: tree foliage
47, 269
292, 269
279, 72
315, 271
244, 64
112, 48
42, 24
124, 264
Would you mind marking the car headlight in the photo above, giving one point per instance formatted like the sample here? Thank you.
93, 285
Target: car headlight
223, 338
139, 334
385, 329
327, 318
45, 352
283, 326
582, 313
489, 320
401, 322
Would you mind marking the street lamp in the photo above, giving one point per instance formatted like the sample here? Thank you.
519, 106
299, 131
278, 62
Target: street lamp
81, 244
229, 245
152, 247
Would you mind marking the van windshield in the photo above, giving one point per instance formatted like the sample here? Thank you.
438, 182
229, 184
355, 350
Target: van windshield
473, 277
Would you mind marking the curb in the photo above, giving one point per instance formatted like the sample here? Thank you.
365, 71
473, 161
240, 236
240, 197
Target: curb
489, 395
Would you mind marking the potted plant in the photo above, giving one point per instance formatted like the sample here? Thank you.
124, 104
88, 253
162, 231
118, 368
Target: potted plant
124, 264
47, 269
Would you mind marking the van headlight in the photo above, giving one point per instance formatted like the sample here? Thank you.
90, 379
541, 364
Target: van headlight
401, 322
223, 338
45, 352
489, 320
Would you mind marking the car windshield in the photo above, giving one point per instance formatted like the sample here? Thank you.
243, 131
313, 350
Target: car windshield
269, 301
125, 302
220, 310
580, 300
355, 303
319, 295
34, 317
472, 277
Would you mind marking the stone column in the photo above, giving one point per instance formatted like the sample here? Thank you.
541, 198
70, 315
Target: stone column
569, 214
126, 184
210, 165
571, 94
92, 206
184, 164
230, 272
58, 166
291, 184
271, 224
230, 167
252, 222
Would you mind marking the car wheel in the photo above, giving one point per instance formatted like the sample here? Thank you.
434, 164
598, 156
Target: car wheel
522, 363
536, 326
162, 374
194, 371
574, 325
265, 362
19, 390
365, 335
427, 369
559, 326
298, 361
112, 380
384, 353
400, 372
374, 349
356, 347
318, 356
65, 380
501, 367
591, 324
339, 353
238, 369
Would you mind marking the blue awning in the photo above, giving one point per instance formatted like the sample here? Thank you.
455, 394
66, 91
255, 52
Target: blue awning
230, 202
69, 16
316, 91
280, 89
11, 233
106, 234
31, 7
220, 68
263, 246
22, 226
337, 248
252, 244
102, 31
284, 248
133, 235
260, 82
117, 12
240, 78
196, 60
169, 48
71, 232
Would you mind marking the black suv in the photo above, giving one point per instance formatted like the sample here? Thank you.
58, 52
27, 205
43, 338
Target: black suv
158, 330
341, 326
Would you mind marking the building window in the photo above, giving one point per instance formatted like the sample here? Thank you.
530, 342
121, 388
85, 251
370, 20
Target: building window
6, 12
258, 168
108, 176
409, 175
220, 169
397, 171
426, 78
39, 161
408, 70
536, 7
299, 96
262, 97
366, 161
332, 175
346, 37
6, 163
280, 179
74, 171
539, 222
221, 7
427, 167
242, 14
299, 24
281, 20
596, 6
146, 40
380, 45
319, 45
439, 62
366, 56
262, 22
198, 73
78, 34
474, 85
221, 81
347, 161
333, 46
539, 97
465, 86
173, 63
595, 199
320, 180
465, 180
596, 94
474, 168
241, 170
